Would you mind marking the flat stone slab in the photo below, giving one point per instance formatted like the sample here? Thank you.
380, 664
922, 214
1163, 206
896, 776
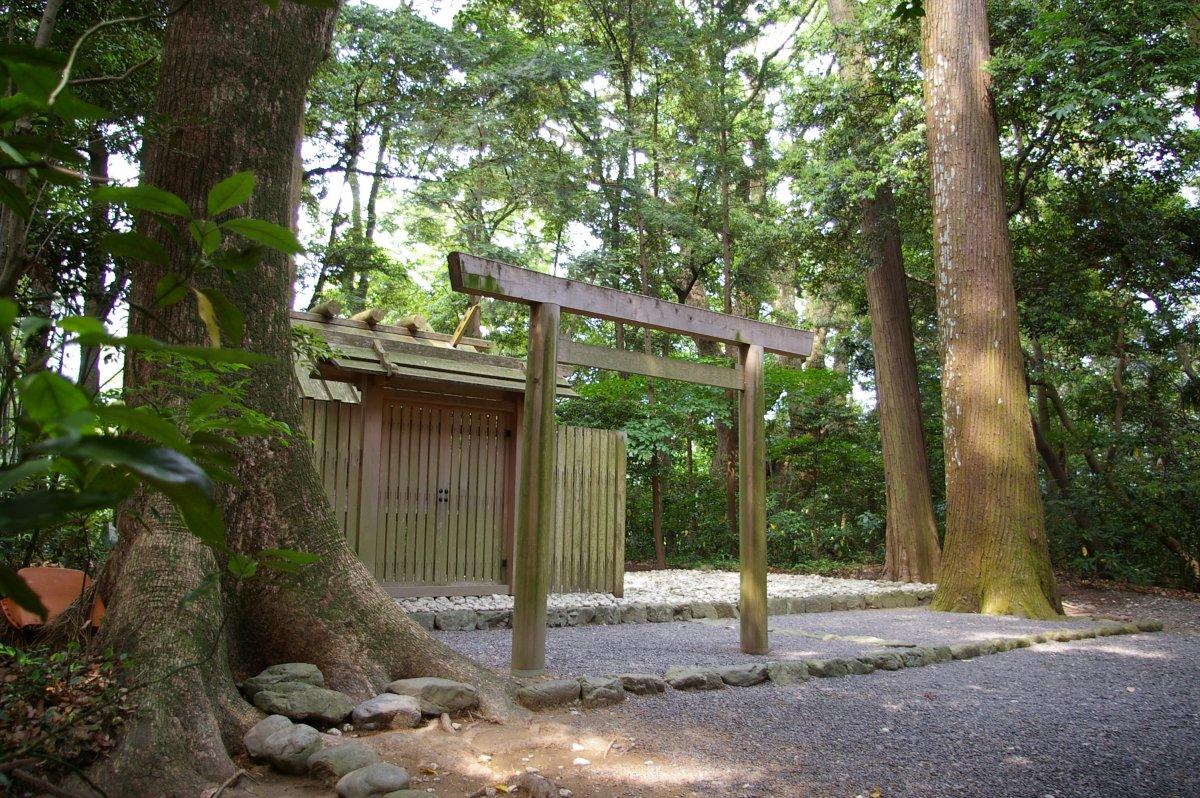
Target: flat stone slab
437, 695
683, 678
283, 672
303, 702
387, 711
330, 764
549, 693
643, 683
374, 780
601, 691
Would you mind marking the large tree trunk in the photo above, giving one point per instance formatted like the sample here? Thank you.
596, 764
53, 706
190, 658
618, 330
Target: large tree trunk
912, 551
996, 558
233, 77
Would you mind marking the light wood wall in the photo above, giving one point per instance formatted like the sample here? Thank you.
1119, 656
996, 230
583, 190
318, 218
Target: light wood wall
459, 542
588, 544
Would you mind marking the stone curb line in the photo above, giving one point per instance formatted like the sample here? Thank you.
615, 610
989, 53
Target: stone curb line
598, 691
461, 620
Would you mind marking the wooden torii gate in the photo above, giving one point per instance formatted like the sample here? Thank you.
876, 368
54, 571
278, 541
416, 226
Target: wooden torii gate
548, 297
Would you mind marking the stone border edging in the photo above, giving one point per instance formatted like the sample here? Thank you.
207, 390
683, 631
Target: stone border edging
597, 691
465, 619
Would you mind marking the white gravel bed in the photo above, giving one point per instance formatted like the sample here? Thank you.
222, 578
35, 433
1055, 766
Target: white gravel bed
672, 595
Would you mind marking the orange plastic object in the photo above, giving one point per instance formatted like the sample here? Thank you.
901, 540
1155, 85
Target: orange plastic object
58, 588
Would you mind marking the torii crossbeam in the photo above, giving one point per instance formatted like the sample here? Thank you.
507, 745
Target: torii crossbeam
548, 297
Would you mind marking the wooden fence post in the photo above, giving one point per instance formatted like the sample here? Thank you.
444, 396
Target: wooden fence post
535, 496
752, 499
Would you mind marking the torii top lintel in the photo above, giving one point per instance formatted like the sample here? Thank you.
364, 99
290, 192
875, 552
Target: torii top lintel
491, 278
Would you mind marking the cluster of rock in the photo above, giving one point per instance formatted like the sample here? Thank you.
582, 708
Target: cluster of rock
297, 702
598, 691
462, 617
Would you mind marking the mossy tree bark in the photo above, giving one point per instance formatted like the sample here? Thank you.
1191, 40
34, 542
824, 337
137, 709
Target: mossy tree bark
231, 95
996, 558
912, 553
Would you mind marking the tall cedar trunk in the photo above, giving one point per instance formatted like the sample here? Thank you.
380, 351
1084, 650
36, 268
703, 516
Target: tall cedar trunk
996, 558
912, 551
913, 554
234, 76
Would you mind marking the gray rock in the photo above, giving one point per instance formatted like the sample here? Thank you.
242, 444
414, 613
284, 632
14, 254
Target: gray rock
660, 613
704, 609
387, 711
601, 691
330, 764
857, 667
797, 605
1149, 625
906, 599
373, 780
606, 615
681, 612
425, 619
493, 619
839, 601
556, 618
456, 620
726, 609
939, 653
787, 672
743, 675
818, 604
828, 668
580, 616
550, 693
633, 613
965, 651
255, 738
290, 748
694, 679
856, 601
300, 701
437, 695
643, 683
778, 605
883, 660
915, 658
283, 672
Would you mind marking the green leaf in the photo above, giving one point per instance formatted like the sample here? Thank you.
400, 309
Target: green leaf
286, 560
12, 586
14, 198
133, 245
265, 233
144, 422
8, 315
164, 468
205, 405
228, 318
170, 289
203, 518
11, 477
206, 234
143, 198
235, 260
242, 566
47, 396
34, 509
82, 325
230, 192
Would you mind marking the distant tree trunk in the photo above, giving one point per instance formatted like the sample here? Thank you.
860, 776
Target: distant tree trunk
246, 66
912, 551
98, 297
656, 486
996, 558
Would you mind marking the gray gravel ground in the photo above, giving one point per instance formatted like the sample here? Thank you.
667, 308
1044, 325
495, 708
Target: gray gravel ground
582, 650
1115, 716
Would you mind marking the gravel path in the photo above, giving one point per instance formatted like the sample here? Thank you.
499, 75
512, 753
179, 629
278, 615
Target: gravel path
1114, 716
1106, 717
580, 650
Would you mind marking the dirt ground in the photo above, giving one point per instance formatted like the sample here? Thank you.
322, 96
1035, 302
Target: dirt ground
739, 743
